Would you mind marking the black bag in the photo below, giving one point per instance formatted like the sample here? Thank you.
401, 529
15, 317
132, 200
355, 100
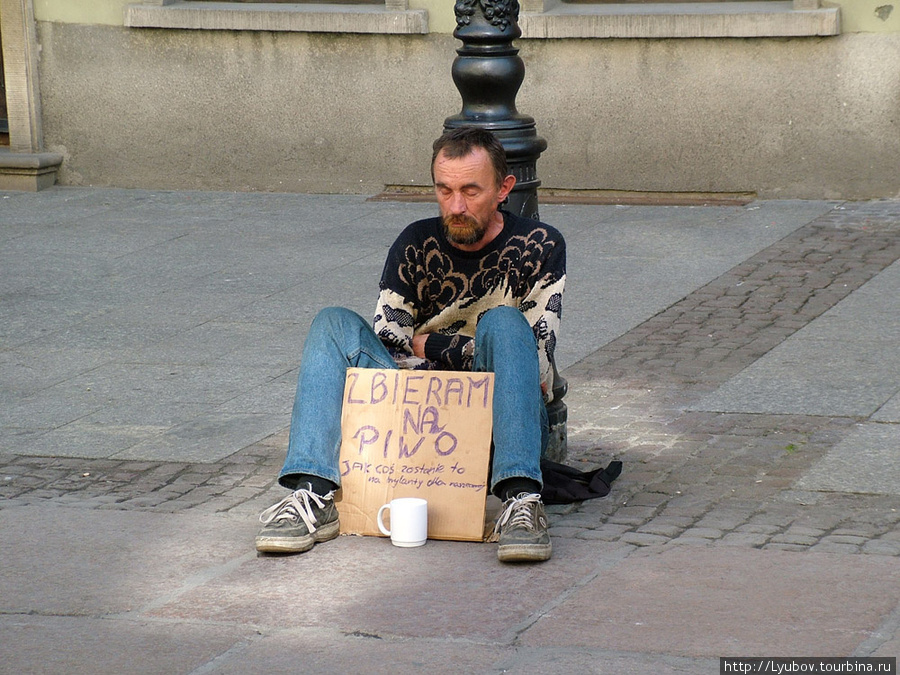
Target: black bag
564, 485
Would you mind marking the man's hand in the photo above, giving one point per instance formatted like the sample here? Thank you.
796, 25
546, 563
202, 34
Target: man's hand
418, 344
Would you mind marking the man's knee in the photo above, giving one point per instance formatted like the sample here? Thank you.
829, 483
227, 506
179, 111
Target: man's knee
503, 319
503, 331
331, 317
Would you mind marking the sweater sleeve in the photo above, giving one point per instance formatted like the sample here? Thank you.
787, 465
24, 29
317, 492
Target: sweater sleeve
396, 311
542, 307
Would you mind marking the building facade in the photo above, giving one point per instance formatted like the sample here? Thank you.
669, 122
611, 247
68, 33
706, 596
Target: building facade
781, 99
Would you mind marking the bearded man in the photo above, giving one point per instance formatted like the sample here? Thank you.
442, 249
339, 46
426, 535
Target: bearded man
477, 288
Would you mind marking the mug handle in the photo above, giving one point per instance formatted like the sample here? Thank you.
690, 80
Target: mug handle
381, 526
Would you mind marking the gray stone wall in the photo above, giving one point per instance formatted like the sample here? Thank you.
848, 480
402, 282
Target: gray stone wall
803, 117
299, 112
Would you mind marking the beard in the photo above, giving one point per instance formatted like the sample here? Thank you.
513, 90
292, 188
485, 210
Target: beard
463, 229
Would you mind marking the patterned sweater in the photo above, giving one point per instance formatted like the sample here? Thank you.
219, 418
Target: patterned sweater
430, 286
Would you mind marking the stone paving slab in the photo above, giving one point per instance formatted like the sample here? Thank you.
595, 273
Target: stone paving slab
343, 654
867, 461
122, 303
889, 412
713, 507
181, 593
365, 585
108, 647
845, 363
325, 651
110, 562
86, 645
625, 264
743, 602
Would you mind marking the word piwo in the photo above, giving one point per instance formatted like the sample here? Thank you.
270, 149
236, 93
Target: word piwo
416, 433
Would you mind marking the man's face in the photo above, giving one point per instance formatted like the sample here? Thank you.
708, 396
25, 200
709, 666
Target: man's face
468, 195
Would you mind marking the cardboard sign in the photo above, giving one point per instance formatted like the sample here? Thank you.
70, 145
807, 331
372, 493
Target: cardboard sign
416, 433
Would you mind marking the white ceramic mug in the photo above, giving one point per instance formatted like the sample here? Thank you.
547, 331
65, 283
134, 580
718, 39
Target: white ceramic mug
409, 521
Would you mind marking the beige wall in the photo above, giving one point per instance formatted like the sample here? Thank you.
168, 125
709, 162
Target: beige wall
110, 12
878, 16
243, 110
805, 117
857, 15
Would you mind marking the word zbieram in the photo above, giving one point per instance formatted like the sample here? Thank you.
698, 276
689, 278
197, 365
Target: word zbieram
384, 387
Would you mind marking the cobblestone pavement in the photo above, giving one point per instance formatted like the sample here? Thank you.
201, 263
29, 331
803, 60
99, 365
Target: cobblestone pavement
689, 476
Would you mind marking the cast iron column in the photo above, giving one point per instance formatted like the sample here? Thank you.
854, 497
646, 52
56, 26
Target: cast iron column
488, 73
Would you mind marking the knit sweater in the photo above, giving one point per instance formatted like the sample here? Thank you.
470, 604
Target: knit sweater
430, 286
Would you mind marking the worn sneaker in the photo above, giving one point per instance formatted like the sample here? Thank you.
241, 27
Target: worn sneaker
298, 522
521, 529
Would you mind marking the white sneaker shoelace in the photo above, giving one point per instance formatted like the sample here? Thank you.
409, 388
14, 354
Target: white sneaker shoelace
296, 506
519, 512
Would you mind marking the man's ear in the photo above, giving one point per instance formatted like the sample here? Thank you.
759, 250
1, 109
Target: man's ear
506, 187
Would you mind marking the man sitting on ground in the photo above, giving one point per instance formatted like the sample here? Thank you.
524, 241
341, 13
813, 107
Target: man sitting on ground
477, 288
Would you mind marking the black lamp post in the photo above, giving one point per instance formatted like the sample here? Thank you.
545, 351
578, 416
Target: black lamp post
488, 73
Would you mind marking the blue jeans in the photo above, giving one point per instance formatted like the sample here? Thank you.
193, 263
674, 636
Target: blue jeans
339, 338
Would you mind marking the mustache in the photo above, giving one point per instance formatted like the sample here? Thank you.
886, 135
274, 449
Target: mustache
461, 220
